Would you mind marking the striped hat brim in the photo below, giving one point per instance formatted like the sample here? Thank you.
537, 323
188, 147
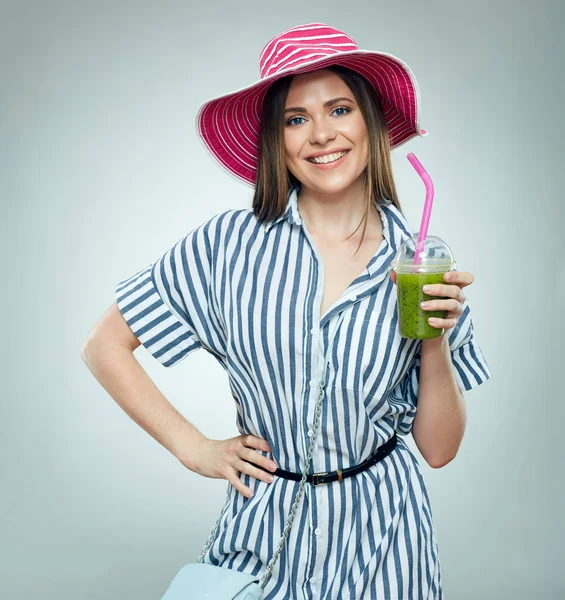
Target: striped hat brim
229, 125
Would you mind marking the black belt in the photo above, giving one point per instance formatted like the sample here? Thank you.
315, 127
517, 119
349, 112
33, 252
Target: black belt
323, 478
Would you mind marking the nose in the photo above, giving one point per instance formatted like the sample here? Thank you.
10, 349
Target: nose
321, 131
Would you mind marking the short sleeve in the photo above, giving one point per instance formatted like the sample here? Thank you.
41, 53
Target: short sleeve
469, 366
170, 304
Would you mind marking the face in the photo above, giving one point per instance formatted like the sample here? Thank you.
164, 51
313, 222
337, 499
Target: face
316, 128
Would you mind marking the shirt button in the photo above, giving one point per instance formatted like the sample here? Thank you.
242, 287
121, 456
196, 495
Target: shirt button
313, 331
317, 531
310, 432
312, 382
353, 297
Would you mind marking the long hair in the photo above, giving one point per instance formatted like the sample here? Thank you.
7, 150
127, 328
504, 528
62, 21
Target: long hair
274, 181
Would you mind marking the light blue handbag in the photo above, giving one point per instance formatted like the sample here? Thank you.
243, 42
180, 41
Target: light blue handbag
201, 581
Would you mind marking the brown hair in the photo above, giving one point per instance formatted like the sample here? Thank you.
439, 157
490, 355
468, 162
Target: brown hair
274, 180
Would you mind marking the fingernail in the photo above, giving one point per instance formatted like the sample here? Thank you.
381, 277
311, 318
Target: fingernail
447, 276
427, 288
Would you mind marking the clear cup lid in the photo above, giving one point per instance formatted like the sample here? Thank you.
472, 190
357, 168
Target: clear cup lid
435, 257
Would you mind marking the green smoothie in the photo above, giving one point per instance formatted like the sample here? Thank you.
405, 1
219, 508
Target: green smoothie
413, 320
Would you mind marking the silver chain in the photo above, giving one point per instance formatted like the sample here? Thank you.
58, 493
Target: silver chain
294, 507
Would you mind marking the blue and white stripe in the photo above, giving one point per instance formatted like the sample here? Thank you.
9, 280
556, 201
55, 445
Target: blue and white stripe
249, 293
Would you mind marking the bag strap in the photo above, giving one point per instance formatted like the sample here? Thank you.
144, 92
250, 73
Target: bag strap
316, 427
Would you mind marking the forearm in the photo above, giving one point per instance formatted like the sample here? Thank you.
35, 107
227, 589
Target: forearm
439, 425
120, 374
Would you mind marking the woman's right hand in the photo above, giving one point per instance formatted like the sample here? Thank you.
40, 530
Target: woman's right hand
224, 459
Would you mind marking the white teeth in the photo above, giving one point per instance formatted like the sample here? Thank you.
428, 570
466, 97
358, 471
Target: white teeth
328, 158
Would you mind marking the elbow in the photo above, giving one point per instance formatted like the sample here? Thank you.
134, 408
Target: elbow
438, 464
85, 350
84, 356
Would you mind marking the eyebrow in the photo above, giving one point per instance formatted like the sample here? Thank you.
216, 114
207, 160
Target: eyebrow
326, 104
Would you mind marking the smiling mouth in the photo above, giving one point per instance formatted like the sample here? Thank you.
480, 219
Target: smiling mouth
328, 159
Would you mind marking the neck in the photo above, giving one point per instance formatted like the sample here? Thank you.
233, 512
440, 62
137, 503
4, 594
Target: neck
334, 216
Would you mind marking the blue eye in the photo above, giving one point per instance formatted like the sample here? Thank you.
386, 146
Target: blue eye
345, 108
289, 122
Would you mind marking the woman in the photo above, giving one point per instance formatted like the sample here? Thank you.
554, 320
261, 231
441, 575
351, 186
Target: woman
273, 291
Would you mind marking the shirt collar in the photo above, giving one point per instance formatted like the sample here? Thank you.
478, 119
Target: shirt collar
388, 213
291, 213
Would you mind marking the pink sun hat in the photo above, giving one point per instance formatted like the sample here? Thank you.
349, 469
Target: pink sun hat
229, 125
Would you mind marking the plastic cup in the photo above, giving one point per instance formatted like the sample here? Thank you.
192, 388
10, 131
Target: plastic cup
435, 260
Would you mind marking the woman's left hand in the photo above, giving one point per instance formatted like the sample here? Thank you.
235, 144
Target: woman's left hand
454, 301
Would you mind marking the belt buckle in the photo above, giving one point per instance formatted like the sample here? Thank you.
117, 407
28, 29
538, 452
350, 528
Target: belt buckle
316, 482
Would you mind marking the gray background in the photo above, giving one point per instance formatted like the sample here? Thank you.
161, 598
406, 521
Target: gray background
101, 171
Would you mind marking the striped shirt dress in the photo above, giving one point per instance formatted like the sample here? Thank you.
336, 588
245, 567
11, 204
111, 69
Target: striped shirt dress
249, 293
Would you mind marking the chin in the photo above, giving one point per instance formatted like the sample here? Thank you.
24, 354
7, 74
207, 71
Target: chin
330, 187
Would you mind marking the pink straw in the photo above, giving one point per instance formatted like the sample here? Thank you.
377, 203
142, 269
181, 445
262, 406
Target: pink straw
427, 206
